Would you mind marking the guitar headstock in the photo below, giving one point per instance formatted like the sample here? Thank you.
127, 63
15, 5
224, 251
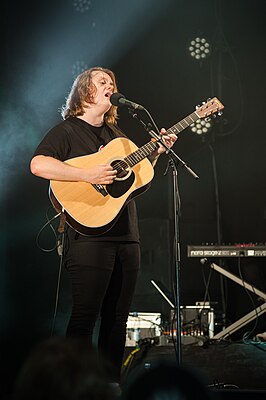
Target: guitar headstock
211, 107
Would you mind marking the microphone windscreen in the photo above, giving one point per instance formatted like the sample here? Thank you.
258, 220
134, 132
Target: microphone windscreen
115, 97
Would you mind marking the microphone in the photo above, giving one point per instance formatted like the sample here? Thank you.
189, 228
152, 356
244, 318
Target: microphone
118, 99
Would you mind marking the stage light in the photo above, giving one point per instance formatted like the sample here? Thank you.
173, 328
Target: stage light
199, 48
78, 68
201, 126
82, 5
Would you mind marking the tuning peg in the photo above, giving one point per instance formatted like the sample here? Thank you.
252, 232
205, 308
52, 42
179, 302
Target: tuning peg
220, 113
214, 115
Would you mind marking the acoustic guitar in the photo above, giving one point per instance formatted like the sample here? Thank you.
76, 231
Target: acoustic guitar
92, 209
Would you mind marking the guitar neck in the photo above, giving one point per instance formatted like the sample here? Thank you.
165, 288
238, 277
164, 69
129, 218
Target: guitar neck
141, 153
211, 107
183, 124
151, 146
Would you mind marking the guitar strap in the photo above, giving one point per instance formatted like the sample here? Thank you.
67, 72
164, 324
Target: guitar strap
116, 130
62, 223
61, 236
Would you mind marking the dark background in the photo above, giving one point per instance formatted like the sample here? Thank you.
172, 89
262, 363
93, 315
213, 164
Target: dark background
146, 43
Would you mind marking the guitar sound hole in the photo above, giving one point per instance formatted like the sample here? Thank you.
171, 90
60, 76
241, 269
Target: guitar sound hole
123, 169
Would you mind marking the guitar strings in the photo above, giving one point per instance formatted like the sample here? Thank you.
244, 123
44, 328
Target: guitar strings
136, 156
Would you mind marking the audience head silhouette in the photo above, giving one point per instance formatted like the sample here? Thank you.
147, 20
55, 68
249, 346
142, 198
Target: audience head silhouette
165, 381
62, 369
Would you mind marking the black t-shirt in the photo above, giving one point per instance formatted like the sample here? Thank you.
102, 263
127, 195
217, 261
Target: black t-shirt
73, 138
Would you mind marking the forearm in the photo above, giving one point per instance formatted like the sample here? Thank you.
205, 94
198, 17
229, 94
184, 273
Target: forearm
53, 169
169, 140
154, 157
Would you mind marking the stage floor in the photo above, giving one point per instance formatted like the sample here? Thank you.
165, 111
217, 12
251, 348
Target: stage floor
241, 366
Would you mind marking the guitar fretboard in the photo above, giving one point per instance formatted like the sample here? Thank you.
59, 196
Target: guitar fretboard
141, 153
151, 146
181, 125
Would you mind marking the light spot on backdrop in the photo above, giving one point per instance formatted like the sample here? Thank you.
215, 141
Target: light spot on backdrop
78, 67
82, 5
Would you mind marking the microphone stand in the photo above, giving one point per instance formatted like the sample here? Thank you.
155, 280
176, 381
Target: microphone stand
158, 137
174, 160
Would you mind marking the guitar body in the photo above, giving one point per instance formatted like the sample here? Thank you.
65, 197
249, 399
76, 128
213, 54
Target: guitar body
89, 211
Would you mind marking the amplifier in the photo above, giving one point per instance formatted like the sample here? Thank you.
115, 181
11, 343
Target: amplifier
196, 321
142, 325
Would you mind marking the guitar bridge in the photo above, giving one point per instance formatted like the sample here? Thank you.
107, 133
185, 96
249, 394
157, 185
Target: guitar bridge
100, 189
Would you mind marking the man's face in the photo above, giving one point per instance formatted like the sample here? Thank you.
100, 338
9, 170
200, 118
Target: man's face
104, 89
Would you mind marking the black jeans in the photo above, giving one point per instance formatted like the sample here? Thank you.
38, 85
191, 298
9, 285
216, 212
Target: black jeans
103, 277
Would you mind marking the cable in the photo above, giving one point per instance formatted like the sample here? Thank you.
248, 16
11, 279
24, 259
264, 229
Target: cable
206, 283
248, 334
61, 255
142, 347
49, 221
223, 286
223, 46
217, 197
59, 245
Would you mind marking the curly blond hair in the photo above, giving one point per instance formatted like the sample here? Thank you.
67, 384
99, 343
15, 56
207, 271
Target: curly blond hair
83, 91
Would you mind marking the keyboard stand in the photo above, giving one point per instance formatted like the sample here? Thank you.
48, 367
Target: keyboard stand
248, 317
